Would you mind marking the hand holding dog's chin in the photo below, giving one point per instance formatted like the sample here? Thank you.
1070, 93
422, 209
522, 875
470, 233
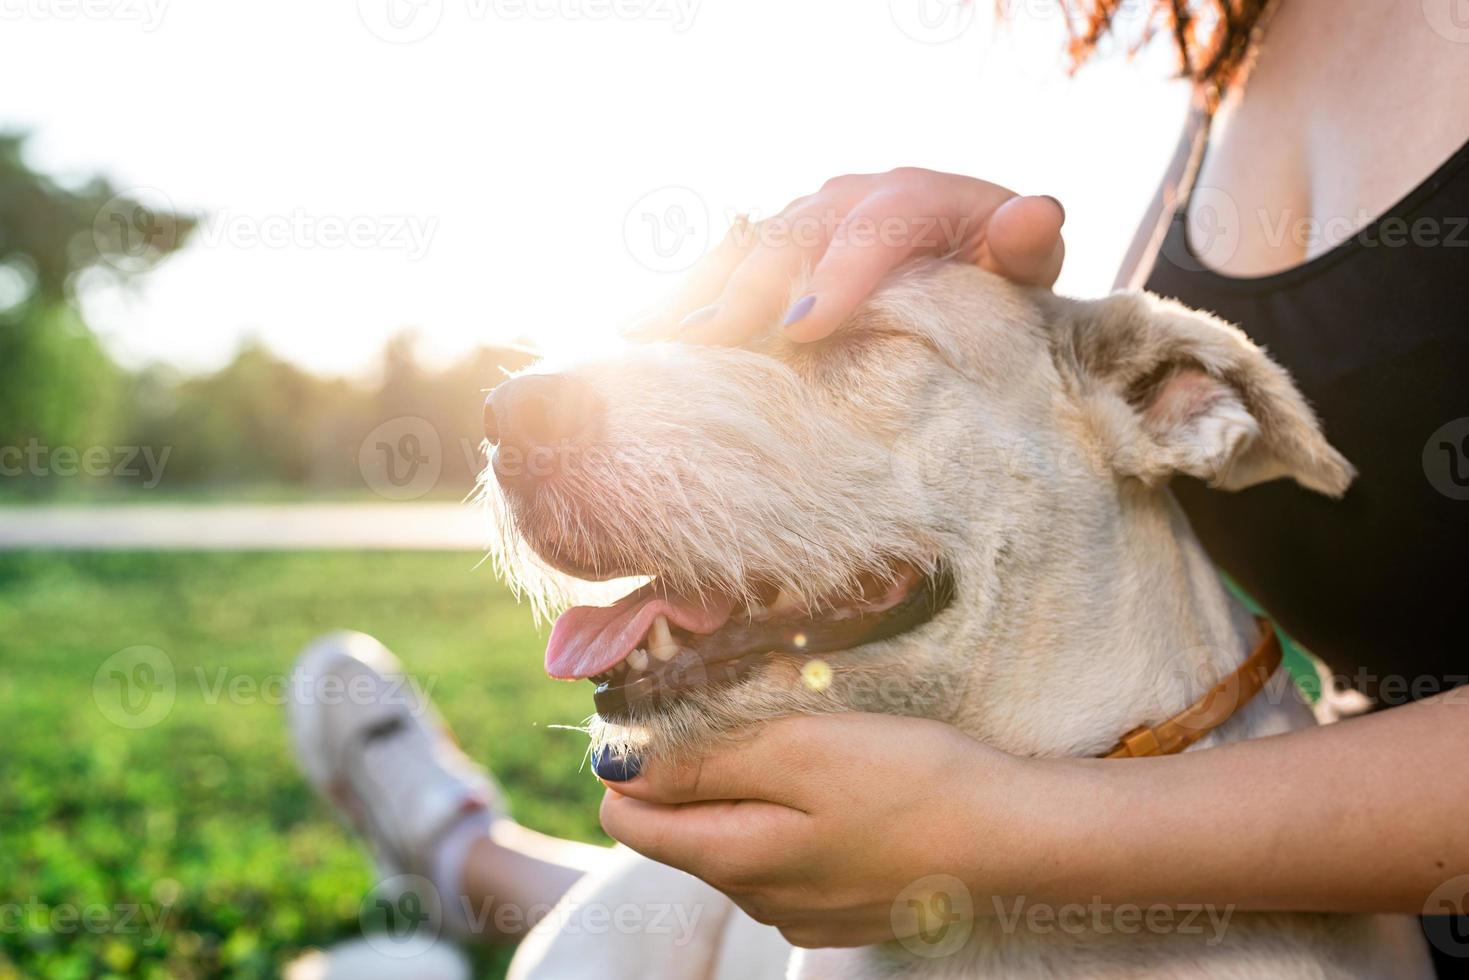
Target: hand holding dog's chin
815, 824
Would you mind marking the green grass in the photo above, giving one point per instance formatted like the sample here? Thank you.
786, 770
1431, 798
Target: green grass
199, 823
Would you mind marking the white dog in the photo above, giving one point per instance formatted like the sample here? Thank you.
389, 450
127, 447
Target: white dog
955, 507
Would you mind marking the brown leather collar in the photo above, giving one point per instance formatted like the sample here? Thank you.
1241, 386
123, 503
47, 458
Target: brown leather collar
1216, 707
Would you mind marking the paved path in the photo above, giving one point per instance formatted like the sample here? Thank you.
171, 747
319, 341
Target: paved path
216, 527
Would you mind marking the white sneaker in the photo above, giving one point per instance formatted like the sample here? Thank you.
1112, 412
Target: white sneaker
373, 746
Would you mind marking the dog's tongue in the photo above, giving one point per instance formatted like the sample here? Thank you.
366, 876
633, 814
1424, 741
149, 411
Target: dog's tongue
588, 640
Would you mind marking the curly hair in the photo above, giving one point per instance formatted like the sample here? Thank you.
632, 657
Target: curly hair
1213, 38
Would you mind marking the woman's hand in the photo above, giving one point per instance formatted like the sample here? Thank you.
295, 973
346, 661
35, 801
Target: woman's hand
816, 824
851, 233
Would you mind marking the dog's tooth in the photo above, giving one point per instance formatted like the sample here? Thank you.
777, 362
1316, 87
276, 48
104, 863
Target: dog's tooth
638, 659
785, 602
660, 640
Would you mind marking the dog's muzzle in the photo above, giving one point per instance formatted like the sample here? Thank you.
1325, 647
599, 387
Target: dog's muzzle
533, 422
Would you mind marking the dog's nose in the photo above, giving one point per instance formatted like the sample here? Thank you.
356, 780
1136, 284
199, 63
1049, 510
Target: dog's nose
535, 420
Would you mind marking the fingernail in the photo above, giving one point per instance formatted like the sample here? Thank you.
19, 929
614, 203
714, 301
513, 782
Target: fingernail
616, 768
799, 309
702, 315
1059, 206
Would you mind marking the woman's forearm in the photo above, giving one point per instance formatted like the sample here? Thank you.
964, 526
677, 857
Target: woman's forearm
1364, 815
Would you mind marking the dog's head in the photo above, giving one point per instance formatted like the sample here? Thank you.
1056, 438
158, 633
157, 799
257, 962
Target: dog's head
833, 526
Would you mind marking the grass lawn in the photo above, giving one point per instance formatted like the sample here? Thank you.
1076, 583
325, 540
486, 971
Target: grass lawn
190, 847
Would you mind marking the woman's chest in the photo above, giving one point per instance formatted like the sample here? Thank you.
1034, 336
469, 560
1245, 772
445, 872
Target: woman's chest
1349, 108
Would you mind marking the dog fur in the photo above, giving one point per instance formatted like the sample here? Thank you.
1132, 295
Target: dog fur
1019, 440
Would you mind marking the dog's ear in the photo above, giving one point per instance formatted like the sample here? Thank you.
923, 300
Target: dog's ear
1171, 390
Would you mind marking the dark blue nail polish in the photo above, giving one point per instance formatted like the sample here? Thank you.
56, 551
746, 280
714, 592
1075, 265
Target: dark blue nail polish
799, 309
616, 768
702, 315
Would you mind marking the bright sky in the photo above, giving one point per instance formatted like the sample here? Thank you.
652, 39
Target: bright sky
482, 169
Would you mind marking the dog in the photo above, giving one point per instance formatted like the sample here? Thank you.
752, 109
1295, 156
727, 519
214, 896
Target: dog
955, 507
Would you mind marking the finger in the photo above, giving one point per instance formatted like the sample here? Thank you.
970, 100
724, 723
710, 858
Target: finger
1023, 241
818, 935
763, 766
757, 292
760, 287
701, 286
708, 840
861, 253
936, 217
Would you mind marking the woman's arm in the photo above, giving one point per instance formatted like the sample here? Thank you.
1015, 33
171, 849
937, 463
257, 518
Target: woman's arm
815, 824
1366, 815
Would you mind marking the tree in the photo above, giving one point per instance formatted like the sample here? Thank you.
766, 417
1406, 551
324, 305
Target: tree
58, 387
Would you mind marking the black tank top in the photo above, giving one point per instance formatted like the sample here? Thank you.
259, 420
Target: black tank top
1376, 334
